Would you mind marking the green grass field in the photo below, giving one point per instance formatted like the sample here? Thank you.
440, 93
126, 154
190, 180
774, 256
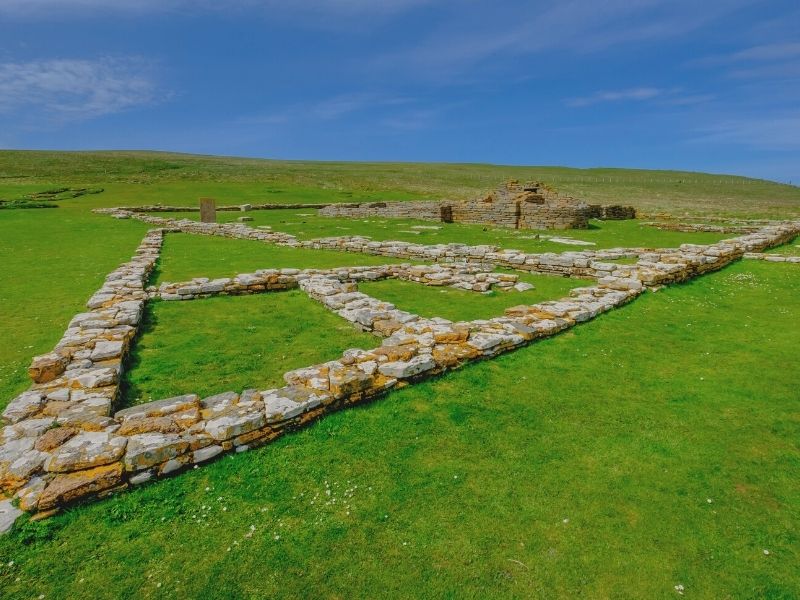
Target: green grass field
655, 446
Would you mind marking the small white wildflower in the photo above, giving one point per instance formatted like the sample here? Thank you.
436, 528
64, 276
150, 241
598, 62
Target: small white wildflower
766, 552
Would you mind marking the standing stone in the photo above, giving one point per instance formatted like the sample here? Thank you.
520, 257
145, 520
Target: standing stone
208, 210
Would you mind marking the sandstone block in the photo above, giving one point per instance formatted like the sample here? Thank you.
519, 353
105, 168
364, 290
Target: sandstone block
47, 367
236, 421
86, 450
68, 487
147, 449
23, 406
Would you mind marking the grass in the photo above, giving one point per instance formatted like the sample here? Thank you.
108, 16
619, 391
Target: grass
186, 256
147, 177
232, 343
628, 456
51, 262
620, 459
462, 305
307, 224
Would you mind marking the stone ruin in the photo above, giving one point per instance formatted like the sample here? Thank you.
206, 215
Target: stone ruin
513, 205
63, 441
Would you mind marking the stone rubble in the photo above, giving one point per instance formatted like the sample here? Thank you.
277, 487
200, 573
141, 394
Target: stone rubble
779, 258
60, 442
461, 276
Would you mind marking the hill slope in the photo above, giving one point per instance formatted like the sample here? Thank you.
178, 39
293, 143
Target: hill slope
139, 177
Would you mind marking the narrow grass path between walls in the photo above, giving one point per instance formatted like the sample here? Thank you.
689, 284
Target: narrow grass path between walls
232, 343
653, 447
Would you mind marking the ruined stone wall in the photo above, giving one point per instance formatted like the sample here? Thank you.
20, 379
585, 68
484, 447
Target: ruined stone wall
62, 444
425, 210
611, 212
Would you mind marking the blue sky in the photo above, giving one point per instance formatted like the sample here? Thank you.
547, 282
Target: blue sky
698, 85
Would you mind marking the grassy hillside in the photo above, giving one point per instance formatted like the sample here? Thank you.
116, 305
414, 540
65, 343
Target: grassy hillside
141, 177
623, 458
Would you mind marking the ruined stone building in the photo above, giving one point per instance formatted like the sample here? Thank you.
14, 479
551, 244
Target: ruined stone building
513, 205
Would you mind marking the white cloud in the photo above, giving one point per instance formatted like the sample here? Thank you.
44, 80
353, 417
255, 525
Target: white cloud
633, 94
75, 89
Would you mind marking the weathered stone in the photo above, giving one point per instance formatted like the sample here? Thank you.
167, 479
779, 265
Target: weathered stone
47, 367
53, 438
149, 425
140, 478
405, 369
85, 450
92, 410
236, 421
348, 380
207, 453
68, 487
95, 378
8, 514
159, 408
18, 462
523, 286
23, 406
34, 427
218, 404
30, 493
106, 350
147, 449
288, 402
208, 210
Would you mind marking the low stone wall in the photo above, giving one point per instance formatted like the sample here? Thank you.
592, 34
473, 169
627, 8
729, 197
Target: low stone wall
60, 443
777, 258
527, 216
467, 277
423, 209
702, 227
611, 212
156, 208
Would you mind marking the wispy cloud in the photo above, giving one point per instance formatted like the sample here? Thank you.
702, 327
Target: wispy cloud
662, 96
633, 94
777, 133
50, 8
765, 52
75, 89
576, 26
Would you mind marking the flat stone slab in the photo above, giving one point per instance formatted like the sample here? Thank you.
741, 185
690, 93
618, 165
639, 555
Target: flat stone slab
147, 449
8, 514
86, 450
